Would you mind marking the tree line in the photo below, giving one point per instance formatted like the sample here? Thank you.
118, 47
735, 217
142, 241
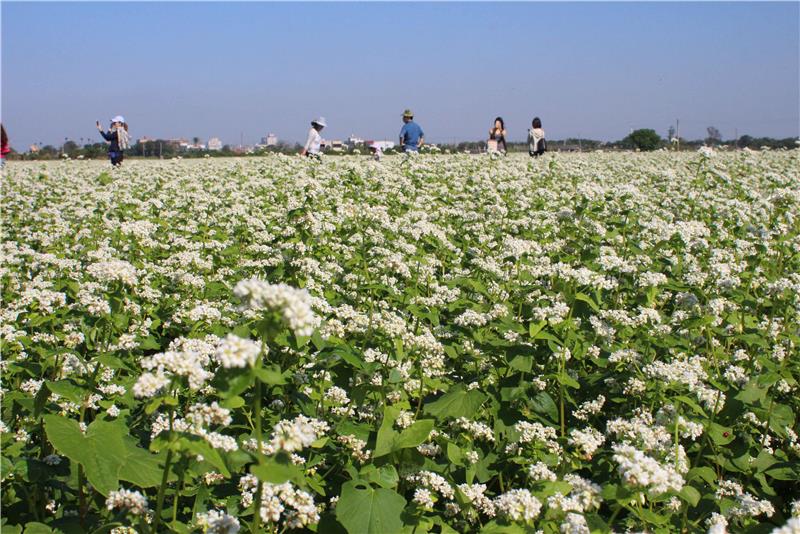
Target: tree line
643, 139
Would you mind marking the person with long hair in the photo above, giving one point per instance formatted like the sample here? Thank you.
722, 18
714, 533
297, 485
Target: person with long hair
536, 142
118, 139
4, 148
497, 134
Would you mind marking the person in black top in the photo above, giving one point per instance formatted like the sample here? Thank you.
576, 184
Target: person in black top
118, 138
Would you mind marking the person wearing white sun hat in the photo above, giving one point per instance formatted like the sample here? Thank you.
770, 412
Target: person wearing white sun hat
118, 139
311, 148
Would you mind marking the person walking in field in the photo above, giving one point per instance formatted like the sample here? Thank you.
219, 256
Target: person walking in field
4, 148
314, 140
118, 139
536, 142
497, 137
411, 135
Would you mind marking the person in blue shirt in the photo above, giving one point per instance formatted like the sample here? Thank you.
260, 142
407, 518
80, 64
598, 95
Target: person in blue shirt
411, 135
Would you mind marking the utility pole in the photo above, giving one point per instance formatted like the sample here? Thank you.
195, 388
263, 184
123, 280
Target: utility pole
736, 136
678, 132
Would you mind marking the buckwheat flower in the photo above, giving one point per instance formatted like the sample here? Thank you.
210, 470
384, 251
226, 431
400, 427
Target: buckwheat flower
587, 441
717, 524
356, 447
236, 352
539, 472
429, 449
404, 419
112, 411
31, 386
297, 434
589, 408
217, 522
293, 304
792, 526
149, 384
472, 457
114, 270
127, 500
639, 470
574, 524
423, 498
518, 505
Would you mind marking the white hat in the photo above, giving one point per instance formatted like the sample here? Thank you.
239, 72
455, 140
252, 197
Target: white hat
320, 121
118, 118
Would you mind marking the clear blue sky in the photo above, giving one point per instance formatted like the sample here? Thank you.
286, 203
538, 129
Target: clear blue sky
217, 69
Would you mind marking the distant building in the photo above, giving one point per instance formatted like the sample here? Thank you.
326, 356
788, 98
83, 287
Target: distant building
354, 141
336, 145
272, 140
214, 144
383, 145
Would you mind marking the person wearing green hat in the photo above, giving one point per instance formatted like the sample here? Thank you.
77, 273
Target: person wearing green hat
411, 135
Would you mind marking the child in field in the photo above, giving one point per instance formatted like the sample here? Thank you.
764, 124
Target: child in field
118, 138
536, 142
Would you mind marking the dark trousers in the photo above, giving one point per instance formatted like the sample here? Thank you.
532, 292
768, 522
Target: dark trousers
116, 158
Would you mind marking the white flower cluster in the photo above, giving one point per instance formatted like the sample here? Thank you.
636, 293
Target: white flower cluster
217, 522
746, 504
296, 434
114, 270
574, 524
539, 472
583, 497
293, 304
534, 433
127, 500
235, 352
476, 429
280, 502
586, 440
356, 447
518, 505
164, 365
588, 408
642, 471
792, 526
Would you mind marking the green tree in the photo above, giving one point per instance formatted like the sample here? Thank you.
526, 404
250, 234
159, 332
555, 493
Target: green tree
643, 139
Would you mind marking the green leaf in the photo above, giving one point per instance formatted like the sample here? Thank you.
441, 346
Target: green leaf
67, 389
691, 404
454, 453
543, 403
37, 528
107, 453
704, 473
721, 435
364, 510
522, 363
583, 297
270, 375
389, 441
456, 403
534, 329
690, 495
276, 472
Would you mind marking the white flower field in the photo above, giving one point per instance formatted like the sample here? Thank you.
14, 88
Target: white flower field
442, 343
